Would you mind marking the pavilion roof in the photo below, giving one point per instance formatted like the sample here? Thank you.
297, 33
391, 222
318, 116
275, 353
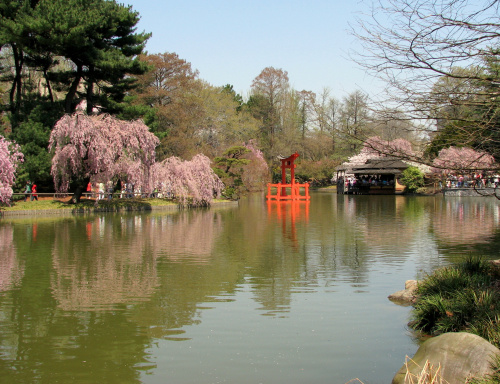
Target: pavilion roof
381, 166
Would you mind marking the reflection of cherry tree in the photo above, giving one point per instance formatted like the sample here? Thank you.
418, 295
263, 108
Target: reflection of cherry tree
382, 222
102, 272
189, 238
465, 222
11, 271
106, 269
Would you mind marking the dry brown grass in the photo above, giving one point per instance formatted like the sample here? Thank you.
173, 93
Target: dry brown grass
428, 374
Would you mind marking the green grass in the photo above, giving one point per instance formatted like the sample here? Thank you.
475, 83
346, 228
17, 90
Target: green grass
459, 298
463, 297
114, 204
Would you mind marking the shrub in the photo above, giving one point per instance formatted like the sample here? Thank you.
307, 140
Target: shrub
413, 179
459, 298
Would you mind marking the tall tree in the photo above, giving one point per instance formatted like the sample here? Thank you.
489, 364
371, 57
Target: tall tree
172, 88
327, 117
271, 85
97, 37
354, 118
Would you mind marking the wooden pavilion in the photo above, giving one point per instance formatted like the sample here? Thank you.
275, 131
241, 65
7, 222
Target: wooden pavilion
375, 177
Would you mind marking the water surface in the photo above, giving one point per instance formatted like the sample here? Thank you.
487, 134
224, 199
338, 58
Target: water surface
256, 293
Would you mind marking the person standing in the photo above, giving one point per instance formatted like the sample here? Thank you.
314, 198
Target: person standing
27, 190
101, 191
89, 190
34, 196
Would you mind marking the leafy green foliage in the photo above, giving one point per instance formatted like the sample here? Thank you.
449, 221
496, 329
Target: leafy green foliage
459, 298
33, 137
229, 167
413, 179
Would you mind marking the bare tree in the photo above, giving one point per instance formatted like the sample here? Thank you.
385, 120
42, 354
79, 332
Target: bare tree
354, 118
411, 42
271, 84
439, 59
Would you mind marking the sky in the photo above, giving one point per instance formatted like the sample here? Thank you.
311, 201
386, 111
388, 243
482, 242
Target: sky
232, 41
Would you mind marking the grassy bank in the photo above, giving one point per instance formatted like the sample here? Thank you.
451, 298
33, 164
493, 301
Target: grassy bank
114, 205
462, 297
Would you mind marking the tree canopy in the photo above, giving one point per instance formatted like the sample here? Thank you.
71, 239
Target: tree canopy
96, 38
192, 182
100, 147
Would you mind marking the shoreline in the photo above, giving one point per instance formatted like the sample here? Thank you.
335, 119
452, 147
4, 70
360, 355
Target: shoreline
136, 207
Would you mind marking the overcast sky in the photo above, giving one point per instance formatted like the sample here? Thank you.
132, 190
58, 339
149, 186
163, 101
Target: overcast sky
232, 41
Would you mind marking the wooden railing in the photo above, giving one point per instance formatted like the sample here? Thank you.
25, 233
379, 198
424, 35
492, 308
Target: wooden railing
282, 192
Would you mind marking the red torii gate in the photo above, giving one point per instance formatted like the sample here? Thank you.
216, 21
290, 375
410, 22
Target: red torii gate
281, 193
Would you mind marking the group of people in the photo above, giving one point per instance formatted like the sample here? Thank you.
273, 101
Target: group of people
378, 180
30, 191
100, 191
478, 180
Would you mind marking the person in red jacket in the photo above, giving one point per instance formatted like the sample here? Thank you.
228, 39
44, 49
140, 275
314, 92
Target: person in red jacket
34, 196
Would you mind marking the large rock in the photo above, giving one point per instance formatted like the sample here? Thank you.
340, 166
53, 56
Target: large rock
459, 356
406, 296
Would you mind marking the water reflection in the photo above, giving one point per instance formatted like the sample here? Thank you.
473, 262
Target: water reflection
104, 297
11, 269
288, 213
465, 221
103, 270
117, 260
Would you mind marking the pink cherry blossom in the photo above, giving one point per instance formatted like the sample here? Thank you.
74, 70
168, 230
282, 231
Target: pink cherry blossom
463, 160
190, 182
100, 147
10, 158
397, 147
256, 173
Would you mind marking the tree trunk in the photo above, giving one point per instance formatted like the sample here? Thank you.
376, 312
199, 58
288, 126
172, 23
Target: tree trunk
90, 91
49, 88
80, 188
70, 96
17, 82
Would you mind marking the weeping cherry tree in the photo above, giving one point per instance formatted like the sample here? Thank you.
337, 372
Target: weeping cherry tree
101, 148
190, 182
10, 158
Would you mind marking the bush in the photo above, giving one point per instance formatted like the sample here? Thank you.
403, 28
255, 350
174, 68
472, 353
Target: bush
413, 179
459, 298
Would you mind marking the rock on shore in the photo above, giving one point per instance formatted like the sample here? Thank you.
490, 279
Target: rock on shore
458, 356
406, 296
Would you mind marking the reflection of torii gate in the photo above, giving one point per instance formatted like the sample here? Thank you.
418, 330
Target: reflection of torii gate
281, 188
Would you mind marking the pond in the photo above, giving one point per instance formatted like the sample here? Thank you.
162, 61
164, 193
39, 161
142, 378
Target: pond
253, 293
